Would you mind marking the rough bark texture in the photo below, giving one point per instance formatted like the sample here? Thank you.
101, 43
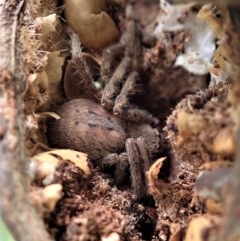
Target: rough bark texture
230, 228
15, 204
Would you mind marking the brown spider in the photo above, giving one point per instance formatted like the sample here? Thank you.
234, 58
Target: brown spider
122, 138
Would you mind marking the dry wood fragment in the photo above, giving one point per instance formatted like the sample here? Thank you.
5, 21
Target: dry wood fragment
15, 205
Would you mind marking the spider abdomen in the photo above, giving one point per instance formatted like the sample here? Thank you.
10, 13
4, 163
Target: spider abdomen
85, 126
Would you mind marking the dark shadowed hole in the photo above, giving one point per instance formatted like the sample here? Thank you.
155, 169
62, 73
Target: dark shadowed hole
146, 226
166, 170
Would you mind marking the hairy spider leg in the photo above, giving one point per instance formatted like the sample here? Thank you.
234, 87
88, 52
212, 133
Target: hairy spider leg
112, 88
139, 160
124, 110
109, 56
120, 161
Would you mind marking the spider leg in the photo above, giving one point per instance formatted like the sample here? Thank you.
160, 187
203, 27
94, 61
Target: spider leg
122, 108
121, 163
144, 153
121, 167
138, 157
112, 88
109, 56
133, 39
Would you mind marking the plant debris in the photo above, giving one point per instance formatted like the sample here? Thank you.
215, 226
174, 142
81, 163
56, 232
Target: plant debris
188, 80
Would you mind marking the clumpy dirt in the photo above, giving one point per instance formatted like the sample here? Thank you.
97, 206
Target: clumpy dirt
199, 128
196, 135
99, 210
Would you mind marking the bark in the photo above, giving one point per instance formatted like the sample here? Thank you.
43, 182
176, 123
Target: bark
231, 225
15, 204
230, 229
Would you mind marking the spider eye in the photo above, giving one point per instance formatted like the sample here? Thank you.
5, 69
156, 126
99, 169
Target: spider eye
97, 82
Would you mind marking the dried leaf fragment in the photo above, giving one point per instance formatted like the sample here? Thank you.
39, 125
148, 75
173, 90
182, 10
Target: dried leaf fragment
199, 229
46, 163
47, 26
45, 199
53, 70
91, 22
189, 124
51, 194
43, 115
111, 237
45, 87
54, 66
176, 232
223, 143
152, 177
